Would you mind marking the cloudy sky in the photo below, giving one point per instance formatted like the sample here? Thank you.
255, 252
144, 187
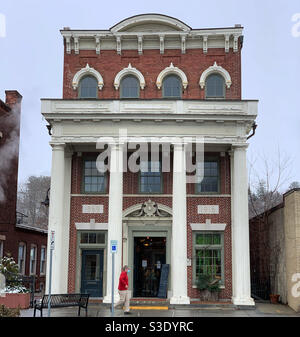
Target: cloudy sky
31, 61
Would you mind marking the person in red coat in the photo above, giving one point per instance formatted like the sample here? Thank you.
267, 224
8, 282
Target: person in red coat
123, 291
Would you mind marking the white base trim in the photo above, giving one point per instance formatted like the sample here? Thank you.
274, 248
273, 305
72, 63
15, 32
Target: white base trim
243, 301
180, 300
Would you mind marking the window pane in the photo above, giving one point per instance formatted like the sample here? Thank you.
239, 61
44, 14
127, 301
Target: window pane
88, 87
172, 86
94, 181
129, 87
84, 238
215, 86
210, 182
100, 238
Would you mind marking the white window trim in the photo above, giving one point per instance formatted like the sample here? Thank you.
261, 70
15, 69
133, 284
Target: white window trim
1, 248
215, 69
41, 271
24, 258
171, 70
129, 71
87, 71
34, 272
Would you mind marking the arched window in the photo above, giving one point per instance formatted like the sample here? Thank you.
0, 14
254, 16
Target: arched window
130, 87
172, 87
215, 86
88, 87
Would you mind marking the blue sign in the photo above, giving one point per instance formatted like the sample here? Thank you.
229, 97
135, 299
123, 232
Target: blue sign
113, 246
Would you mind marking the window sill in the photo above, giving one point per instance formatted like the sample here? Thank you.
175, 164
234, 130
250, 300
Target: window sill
221, 287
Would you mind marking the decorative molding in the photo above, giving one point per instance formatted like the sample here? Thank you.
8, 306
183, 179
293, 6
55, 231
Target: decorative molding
129, 71
148, 209
119, 45
76, 44
140, 44
87, 71
215, 69
205, 44
227, 37
98, 46
68, 44
171, 70
235, 43
183, 44
162, 44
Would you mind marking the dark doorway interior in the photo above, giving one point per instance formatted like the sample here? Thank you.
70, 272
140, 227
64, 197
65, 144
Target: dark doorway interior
149, 256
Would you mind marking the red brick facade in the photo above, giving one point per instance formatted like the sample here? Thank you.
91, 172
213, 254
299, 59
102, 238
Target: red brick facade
150, 64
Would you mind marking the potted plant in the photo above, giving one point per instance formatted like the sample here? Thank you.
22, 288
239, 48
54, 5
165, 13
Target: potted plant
209, 287
15, 295
274, 298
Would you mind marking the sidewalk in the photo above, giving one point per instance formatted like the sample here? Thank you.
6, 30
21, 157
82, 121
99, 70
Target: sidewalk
100, 310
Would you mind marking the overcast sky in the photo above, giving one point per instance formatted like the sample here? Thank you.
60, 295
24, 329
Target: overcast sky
31, 61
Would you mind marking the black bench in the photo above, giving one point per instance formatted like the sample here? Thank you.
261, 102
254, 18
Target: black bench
62, 300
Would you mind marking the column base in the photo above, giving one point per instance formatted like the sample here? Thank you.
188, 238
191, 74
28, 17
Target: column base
243, 301
179, 300
107, 298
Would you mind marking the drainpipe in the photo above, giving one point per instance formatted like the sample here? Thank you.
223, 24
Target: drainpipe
254, 126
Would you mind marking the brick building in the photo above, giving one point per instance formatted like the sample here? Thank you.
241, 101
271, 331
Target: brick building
26, 243
275, 253
151, 80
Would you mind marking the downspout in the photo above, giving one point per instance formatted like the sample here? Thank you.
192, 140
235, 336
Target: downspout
254, 126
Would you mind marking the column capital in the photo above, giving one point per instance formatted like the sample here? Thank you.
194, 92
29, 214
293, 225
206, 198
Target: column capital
235, 147
58, 146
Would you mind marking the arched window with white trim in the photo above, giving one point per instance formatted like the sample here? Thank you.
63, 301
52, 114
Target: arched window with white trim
130, 87
215, 86
172, 87
88, 87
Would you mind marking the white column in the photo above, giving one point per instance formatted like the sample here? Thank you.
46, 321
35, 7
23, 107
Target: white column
115, 219
56, 222
179, 231
240, 230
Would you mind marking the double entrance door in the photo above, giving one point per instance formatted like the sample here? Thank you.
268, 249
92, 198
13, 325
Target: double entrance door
92, 272
149, 256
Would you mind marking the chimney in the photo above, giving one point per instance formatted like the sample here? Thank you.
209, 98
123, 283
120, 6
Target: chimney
12, 97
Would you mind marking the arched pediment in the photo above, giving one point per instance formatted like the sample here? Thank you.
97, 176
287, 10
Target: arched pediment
149, 210
215, 69
87, 71
150, 23
169, 71
129, 71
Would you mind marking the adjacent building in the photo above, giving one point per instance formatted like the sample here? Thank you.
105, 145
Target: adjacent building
150, 82
275, 253
26, 243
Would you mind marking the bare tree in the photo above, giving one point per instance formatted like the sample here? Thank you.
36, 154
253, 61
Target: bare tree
267, 178
30, 196
294, 184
